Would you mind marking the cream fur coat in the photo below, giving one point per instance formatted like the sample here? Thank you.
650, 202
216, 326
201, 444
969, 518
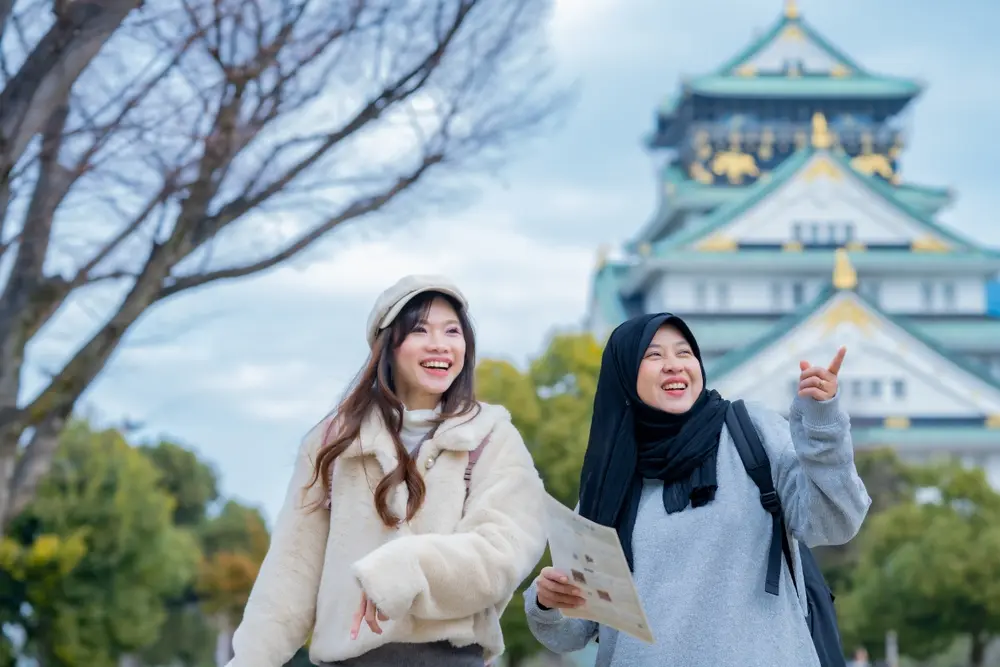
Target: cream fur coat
443, 576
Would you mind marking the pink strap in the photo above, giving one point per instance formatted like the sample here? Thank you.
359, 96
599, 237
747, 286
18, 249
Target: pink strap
473, 457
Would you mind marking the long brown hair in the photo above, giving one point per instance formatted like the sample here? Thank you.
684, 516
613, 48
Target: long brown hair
374, 388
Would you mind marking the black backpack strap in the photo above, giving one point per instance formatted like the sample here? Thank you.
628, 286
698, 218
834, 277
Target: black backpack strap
758, 467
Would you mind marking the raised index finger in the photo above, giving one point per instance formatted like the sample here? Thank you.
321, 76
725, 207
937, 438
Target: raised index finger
837, 361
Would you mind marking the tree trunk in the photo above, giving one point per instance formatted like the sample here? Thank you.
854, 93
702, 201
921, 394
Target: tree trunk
223, 640
977, 652
28, 99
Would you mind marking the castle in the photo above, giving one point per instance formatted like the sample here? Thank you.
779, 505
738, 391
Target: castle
784, 231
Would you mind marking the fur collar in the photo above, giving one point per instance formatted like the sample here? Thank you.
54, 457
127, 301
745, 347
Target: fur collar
459, 434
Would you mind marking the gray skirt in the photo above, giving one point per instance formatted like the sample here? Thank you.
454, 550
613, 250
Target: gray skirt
433, 654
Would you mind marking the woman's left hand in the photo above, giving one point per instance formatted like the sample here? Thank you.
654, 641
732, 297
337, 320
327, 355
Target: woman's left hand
820, 383
369, 613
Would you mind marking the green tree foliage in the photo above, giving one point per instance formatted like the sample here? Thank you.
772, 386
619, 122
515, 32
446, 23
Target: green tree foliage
86, 568
186, 638
232, 539
889, 482
234, 545
930, 570
192, 482
551, 405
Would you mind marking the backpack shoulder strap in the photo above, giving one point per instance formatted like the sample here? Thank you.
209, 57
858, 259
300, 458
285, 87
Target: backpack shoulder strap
758, 467
473, 457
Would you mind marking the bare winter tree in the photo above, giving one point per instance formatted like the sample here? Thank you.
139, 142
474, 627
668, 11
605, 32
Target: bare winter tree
214, 139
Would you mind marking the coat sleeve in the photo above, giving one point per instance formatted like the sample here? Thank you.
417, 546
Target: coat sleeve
497, 543
812, 462
281, 609
558, 633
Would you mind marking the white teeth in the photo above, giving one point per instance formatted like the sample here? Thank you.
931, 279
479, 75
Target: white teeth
675, 385
436, 364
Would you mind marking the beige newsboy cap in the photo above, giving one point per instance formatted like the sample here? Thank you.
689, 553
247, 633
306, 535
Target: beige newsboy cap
391, 301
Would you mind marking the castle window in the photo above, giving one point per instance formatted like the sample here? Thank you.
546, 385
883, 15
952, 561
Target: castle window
722, 295
927, 295
777, 295
899, 389
948, 294
700, 295
797, 232
876, 388
798, 294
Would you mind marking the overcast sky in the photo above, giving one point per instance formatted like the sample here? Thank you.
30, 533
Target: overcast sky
240, 372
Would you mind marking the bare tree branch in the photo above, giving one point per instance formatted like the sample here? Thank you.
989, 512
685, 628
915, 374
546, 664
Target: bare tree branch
355, 210
195, 124
51, 69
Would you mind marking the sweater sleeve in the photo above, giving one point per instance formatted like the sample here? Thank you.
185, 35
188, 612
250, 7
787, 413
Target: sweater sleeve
281, 609
495, 546
812, 460
558, 633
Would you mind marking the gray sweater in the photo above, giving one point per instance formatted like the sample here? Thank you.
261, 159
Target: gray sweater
700, 572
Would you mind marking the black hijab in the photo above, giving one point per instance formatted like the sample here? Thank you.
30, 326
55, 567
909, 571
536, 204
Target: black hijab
631, 441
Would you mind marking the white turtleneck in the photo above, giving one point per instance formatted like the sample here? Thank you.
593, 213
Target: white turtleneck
416, 425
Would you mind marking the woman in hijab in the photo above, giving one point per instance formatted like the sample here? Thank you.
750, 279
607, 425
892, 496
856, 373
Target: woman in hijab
662, 469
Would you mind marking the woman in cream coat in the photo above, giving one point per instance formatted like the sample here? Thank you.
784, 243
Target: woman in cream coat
413, 513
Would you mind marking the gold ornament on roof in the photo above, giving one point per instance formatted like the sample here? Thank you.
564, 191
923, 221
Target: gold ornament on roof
869, 162
844, 275
766, 149
717, 243
821, 137
896, 422
822, 167
791, 9
698, 172
792, 33
928, 244
847, 311
602, 255
734, 164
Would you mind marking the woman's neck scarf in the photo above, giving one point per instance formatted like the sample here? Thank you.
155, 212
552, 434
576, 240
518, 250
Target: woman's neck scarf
631, 441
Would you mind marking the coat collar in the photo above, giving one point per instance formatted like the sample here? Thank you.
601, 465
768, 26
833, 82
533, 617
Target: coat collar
459, 434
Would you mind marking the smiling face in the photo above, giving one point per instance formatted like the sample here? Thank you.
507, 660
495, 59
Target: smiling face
670, 376
427, 361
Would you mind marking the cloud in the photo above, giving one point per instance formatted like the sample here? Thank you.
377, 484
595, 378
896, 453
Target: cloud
487, 254
292, 339
246, 383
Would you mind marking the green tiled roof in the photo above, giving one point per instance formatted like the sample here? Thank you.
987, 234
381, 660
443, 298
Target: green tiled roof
688, 193
976, 259
685, 195
856, 83
920, 438
717, 332
735, 359
803, 86
774, 32
926, 198
955, 334
607, 293
760, 190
